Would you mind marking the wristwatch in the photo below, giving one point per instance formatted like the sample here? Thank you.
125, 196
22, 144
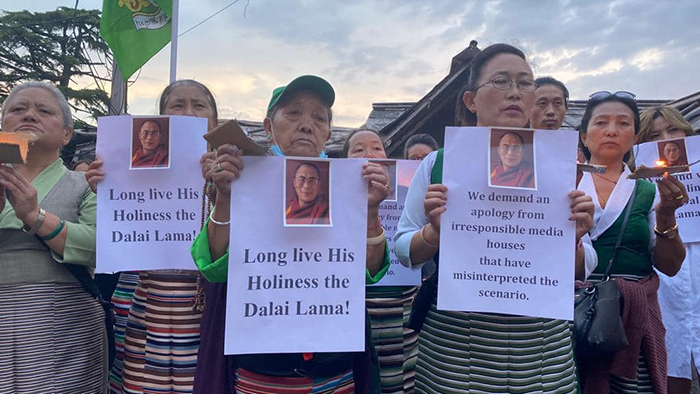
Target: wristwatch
669, 233
37, 225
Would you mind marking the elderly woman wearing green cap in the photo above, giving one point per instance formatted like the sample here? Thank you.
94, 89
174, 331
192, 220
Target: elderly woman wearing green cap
298, 123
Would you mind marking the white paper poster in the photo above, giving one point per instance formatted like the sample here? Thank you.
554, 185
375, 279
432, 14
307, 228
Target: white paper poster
297, 288
389, 213
149, 204
508, 248
680, 152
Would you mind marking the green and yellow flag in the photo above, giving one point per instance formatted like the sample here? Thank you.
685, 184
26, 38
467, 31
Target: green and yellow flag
135, 30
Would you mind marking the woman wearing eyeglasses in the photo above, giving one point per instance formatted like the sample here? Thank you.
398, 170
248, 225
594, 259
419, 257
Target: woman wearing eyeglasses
512, 170
649, 240
470, 352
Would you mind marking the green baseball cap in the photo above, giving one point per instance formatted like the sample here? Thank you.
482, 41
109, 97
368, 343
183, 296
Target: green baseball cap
305, 82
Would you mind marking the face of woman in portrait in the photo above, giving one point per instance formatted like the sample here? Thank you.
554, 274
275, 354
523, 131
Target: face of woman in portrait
301, 125
672, 153
366, 144
507, 108
661, 130
306, 183
190, 100
610, 132
36, 110
510, 150
149, 136
418, 152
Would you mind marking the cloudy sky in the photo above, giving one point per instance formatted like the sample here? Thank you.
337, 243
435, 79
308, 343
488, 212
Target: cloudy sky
397, 50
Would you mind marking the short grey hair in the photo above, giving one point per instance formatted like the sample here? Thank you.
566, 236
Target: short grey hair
60, 98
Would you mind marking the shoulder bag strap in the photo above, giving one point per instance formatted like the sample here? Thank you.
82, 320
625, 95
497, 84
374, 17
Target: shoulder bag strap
628, 210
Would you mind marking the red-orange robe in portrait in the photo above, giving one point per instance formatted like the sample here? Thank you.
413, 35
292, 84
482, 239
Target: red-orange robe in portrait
157, 158
316, 213
520, 176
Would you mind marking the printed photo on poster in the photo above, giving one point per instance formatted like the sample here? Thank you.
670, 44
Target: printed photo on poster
512, 158
391, 172
150, 143
307, 199
673, 152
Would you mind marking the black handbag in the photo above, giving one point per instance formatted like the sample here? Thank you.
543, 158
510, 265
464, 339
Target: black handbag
598, 327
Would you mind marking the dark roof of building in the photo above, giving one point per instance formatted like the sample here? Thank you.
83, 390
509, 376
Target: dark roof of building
390, 119
398, 121
430, 114
689, 106
384, 113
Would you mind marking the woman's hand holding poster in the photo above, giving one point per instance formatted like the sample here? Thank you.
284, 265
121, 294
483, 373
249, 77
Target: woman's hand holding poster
296, 276
150, 202
506, 242
678, 152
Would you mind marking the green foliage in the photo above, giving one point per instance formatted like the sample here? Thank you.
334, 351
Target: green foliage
62, 47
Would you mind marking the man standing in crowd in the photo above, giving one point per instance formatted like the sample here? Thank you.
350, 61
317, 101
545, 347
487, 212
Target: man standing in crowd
551, 103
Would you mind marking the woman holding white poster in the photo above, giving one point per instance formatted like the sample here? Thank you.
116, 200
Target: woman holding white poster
388, 306
679, 296
157, 328
649, 240
52, 330
298, 124
468, 351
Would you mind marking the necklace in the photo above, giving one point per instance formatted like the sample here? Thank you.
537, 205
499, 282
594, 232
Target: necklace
601, 199
609, 180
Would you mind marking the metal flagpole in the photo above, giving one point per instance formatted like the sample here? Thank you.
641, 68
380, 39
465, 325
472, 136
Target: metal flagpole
117, 99
173, 40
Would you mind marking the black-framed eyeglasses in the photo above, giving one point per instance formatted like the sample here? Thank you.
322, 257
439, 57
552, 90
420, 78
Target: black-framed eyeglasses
603, 94
503, 83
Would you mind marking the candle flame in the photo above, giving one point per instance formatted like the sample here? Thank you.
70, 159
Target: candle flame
660, 163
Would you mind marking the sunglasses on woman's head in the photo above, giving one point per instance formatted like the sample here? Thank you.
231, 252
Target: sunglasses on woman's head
603, 94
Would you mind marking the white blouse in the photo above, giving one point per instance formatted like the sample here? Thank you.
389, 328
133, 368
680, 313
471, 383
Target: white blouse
604, 218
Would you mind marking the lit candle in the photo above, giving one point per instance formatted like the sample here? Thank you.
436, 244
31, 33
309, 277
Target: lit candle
660, 163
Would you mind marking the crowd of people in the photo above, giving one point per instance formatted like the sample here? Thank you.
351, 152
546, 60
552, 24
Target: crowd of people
168, 332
